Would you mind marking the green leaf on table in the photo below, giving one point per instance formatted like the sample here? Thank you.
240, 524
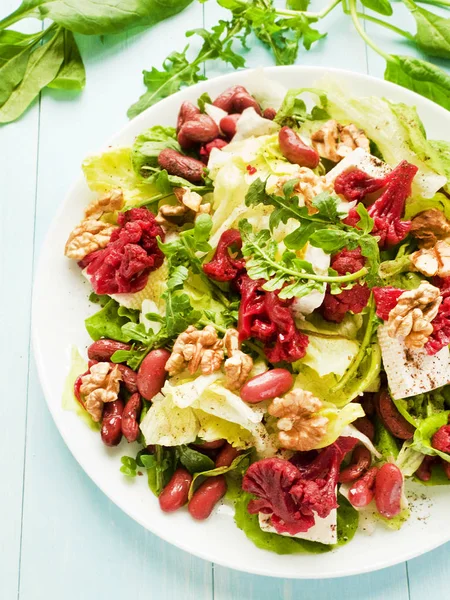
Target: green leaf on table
92, 17
421, 77
380, 6
42, 67
433, 31
72, 75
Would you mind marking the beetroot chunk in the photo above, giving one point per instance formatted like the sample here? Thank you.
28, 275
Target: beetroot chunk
440, 336
266, 317
293, 495
385, 300
223, 266
441, 439
387, 210
124, 264
356, 185
336, 306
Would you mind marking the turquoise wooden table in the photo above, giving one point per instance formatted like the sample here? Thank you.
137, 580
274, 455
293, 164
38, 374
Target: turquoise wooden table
60, 537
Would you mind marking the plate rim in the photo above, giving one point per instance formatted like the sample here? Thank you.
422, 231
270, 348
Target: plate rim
40, 359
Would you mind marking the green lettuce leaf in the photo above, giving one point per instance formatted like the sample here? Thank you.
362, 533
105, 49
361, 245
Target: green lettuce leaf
149, 144
425, 431
347, 524
385, 442
78, 366
113, 169
415, 206
108, 322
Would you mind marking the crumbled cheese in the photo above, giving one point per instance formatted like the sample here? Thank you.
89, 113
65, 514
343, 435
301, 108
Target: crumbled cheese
323, 530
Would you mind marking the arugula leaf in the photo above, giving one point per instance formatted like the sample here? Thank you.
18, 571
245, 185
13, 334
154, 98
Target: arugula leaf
421, 77
293, 111
205, 98
160, 467
433, 31
292, 276
238, 467
380, 6
129, 466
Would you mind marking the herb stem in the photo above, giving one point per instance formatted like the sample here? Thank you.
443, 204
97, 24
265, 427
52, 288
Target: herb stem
353, 368
393, 28
359, 28
309, 15
435, 2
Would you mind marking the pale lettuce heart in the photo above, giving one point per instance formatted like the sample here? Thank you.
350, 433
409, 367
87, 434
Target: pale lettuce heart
329, 355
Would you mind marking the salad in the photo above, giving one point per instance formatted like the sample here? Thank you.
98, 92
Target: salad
272, 280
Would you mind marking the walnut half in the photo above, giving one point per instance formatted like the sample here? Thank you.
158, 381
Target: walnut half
194, 349
411, 317
93, 234
100, 385
238, 365
300, 427
430, 226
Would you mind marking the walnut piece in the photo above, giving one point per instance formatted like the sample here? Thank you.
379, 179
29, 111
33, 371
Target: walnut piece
300, 427
238, 365
429, 227
90, 235
93, 234
100, 385
433, 261
411, 317
335, 141
109, 202
194, 349
190, 205
309, 186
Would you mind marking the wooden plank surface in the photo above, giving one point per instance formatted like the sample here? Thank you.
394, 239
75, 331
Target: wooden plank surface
64, 538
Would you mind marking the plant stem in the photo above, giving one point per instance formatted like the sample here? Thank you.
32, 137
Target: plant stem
359, 28
309, 15
435, 2
353, 368
393, 28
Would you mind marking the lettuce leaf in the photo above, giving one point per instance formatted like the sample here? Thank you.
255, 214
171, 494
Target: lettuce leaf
425, 431
328, 355
78, 366
114, 170
347, 524
396, 130
149, 144
385, 442
338, 419
108, 322
416, 205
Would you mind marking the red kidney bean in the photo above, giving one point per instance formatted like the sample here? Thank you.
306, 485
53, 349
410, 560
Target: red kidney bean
151, 374
446, 467
200, 130
360, 462
102, 350
389, 415
226, 456
367, 402
180, 165
267, 386
295, 150
424, 471
362, 491
207, 496
269, 113
243, 100
388, 490
111, 431
187, 112
210, 445
228, 125
130, 416
365, 426
175, 494
129, 377
226, 98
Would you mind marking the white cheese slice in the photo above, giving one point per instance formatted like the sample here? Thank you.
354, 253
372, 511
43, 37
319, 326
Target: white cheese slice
359, 159
320, 262
411, 372
323, 530
251, 124
216, 113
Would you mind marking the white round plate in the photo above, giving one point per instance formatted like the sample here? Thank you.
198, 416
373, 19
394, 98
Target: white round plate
60, 305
